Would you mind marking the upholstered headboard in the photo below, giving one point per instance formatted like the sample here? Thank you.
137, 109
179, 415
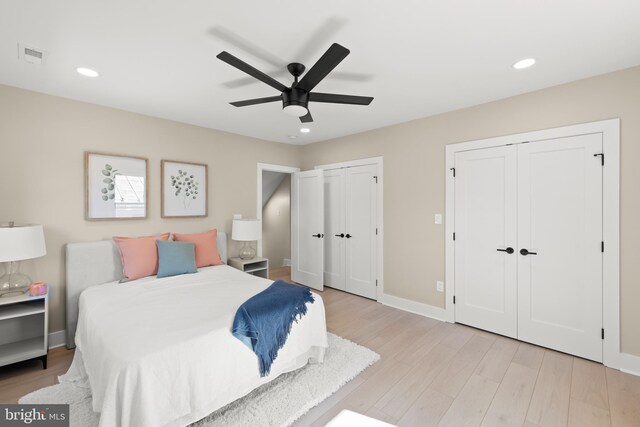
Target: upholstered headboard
94, 263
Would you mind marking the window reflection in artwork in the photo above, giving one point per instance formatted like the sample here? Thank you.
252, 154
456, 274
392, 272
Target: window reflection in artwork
129, 196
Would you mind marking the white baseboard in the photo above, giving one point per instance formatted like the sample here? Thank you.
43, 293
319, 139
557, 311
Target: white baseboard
58, 339
629, 364
414, 307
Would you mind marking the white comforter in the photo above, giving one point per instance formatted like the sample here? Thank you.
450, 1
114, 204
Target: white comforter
159, 352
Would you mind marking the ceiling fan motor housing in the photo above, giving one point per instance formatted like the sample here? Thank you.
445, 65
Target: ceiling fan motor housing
295, 96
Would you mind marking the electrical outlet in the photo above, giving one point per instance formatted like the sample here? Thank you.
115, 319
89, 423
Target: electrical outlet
440, 286
237, 216
438, 218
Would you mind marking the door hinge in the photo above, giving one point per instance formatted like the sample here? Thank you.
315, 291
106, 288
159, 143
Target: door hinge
454, 299
376, 231
454, 171
376, 282
601, 157
454, 235
376, 178
602, 246
602, 333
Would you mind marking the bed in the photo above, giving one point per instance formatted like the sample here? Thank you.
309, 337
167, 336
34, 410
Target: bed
159, 352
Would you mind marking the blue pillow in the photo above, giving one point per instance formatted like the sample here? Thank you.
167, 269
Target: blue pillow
176, 258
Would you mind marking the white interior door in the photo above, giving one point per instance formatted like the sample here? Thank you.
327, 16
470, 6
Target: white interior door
334, 220
560, 222
485, 239
360, 230
307, 228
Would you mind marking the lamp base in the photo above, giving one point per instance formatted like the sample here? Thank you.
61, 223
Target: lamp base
247, 252
13, 284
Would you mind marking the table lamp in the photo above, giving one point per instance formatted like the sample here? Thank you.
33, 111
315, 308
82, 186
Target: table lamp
246, 230
19, 243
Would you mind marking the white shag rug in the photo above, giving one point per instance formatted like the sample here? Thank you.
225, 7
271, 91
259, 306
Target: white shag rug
278, 403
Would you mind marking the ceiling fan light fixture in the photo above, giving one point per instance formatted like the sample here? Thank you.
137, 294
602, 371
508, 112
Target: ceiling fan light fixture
295, 110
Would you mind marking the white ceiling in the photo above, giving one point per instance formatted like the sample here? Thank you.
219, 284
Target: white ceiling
416, 57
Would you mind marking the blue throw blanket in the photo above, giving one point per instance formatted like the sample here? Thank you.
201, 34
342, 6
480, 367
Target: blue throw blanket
264, 321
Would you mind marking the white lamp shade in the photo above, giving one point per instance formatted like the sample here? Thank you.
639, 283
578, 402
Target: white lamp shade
21, 242
246, 230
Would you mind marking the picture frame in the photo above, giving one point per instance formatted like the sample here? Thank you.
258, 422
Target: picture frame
184, 189
116, 186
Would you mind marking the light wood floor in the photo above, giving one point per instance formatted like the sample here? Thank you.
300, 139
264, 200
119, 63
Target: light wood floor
433, 373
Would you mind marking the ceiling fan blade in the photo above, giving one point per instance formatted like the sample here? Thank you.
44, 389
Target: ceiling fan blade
327, 62
335, 98
306, 118
256, 101
243, 66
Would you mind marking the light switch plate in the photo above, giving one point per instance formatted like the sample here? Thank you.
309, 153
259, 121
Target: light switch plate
440, 286
237, 216
438, 218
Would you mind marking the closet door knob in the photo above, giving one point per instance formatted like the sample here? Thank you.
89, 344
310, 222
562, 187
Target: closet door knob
348, 236
317, 235
508, 250
525, 252
341, 235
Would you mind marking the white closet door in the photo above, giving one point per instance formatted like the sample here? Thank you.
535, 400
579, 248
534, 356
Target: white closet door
485, 226
560, 220
334, 219
360, 231
307, 228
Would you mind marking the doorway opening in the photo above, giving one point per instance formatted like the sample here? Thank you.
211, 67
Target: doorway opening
274, 209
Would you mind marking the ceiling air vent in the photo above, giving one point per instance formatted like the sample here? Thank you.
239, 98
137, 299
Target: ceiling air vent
31, 54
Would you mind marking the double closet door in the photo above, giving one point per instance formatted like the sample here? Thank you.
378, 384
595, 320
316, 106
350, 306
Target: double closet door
350, 229
528, 242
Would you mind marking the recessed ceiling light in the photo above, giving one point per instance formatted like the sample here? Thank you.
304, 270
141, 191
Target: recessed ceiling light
87, 72
293, 136
305, 130
525, 63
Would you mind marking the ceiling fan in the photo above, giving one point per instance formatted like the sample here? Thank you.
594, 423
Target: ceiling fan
295, 99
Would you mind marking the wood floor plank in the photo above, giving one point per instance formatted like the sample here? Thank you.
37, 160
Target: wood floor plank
529, 355
589, 383
458, 336
379, 415
495, 363
406, 391
427, 410
550, 401
511, 401
425, 343
584, 415
469, 408
624, 398
454, 375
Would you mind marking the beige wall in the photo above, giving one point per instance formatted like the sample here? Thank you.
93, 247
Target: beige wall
414, 159
276, 228
42, 140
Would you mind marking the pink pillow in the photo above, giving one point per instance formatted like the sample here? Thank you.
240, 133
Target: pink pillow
206, 247
139, 255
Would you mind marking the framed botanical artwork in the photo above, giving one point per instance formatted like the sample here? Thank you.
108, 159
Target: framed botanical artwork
116, 187
184, 189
